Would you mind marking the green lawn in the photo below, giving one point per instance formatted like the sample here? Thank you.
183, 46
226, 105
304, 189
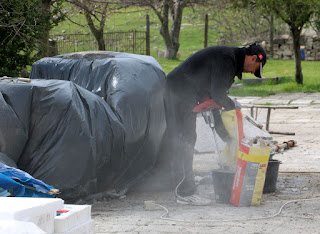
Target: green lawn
192, 39
273, 68
281, 68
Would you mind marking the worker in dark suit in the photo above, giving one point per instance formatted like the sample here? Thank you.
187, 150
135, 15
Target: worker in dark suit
208, 72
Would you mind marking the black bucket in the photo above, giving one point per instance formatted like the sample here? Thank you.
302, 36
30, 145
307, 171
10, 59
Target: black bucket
271, 176
222, 184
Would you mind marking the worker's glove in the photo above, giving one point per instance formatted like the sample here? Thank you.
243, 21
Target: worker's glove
237, 104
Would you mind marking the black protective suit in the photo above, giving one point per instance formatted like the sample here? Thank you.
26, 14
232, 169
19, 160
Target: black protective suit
210, 71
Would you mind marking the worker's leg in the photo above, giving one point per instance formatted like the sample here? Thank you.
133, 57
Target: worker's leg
185, 149
186, 189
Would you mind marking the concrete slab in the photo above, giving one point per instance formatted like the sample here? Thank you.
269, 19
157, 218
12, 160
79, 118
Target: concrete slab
302, 102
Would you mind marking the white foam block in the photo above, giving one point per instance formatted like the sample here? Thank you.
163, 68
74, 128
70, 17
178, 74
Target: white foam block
76, 216
85, 228
14, 226
40, 211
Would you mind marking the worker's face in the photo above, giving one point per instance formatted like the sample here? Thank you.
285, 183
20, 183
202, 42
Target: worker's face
251, 64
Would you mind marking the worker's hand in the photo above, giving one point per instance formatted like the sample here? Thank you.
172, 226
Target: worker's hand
237, 104
228, 139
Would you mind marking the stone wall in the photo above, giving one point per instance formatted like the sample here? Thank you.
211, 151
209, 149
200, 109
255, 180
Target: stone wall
283, 47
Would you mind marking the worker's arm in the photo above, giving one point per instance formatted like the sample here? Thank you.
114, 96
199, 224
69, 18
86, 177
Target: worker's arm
222, 77
219, 126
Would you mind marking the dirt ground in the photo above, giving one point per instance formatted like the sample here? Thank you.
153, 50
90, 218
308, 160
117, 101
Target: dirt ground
292, 208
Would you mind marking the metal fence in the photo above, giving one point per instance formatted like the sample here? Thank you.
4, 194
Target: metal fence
129, 42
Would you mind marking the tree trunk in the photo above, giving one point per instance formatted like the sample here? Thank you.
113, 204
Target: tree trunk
44, 42
296, 47
177, 9
97, 33
100, 40
171, 38
170, 51
164, 31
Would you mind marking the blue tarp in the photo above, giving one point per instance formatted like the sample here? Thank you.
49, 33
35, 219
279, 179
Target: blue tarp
21, 184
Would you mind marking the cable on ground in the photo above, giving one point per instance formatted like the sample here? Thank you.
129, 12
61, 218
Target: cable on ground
233, 220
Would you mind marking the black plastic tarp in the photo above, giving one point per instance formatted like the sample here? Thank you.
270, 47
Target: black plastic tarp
69, 137
60, 133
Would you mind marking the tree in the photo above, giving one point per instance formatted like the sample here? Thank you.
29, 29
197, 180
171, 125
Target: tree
22, 25
240, 26
169, 12
236, 26
96, 12
51, 12
296, 14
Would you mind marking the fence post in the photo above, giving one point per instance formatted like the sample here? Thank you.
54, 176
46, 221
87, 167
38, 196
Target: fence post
271, 36
134, 41
206, 32
147, 35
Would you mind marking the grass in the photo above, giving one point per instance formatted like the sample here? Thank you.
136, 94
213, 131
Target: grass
282, 68
191, 40
273, 68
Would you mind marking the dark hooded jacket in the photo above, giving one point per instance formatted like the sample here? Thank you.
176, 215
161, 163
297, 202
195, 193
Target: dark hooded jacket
210, 71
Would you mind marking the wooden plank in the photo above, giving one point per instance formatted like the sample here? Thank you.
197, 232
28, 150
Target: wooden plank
282, 133
270, 107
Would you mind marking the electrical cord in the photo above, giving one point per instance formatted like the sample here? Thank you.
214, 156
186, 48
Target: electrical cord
176, 189
233, 220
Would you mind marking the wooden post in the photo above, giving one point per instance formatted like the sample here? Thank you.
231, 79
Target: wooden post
251, 111
268, 119
134, 41
206, 32
147, 35
271, 36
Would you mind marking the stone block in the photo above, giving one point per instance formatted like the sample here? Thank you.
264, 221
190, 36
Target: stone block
309, 43
285, 36
160, 53
76, 216
287, 52
284, 47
